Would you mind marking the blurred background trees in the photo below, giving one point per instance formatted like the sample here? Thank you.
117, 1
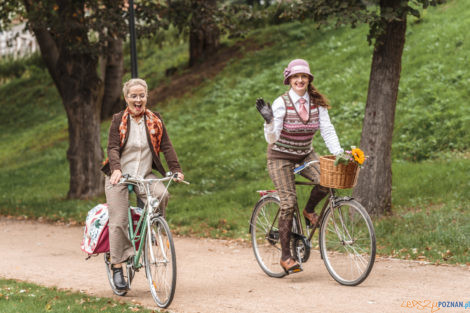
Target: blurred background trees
82, 42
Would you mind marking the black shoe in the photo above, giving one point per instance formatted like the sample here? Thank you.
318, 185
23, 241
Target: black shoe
118, 278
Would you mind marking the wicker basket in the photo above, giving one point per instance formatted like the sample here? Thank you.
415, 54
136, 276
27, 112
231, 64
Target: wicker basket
340, 176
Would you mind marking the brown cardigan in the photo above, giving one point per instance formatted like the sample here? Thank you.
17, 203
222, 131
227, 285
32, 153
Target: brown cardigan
115, 150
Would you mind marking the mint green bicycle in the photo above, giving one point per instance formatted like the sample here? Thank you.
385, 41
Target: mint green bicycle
153, 245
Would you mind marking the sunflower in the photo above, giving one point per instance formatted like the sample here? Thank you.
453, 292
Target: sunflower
358, 155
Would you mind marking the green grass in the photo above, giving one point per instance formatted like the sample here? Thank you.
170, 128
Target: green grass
431, 219
21, 297
218, 134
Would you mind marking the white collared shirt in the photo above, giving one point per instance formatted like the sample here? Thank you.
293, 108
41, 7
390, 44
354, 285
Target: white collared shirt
136, 158
272, 131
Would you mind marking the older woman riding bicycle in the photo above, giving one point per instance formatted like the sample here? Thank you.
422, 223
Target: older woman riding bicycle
136, 137
290, 125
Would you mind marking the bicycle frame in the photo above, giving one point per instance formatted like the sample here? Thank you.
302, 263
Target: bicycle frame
137, 235
331, 201
346, 235
150, 210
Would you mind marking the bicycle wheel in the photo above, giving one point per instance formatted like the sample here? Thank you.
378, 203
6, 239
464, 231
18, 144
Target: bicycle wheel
265, 236
347, 242
109, 271
160, 262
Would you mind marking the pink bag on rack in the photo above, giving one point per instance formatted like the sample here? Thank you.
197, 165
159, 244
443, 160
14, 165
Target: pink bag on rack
96, 232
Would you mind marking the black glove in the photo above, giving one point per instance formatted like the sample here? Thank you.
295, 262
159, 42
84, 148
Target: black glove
265, 110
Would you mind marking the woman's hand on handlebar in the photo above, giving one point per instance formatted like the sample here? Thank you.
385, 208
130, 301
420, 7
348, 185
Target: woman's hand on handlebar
178, 177
115, 177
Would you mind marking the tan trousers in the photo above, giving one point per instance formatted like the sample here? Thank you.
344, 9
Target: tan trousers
283, 177
117, 198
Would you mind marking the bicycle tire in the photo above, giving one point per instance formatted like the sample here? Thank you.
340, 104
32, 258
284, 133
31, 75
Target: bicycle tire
265, 236
109, 272
347, 242
160, 262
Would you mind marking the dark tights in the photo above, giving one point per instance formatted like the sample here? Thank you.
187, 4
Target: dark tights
285, 222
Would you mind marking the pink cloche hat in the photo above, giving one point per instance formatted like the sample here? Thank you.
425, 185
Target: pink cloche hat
296, 66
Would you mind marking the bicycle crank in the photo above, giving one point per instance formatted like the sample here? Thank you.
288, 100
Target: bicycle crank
300, 247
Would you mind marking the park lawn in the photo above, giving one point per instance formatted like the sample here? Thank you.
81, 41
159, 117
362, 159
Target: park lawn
22, 297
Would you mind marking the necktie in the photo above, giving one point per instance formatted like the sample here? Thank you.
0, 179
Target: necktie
303, 113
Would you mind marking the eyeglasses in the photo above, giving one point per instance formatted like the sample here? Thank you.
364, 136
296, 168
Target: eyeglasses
134, 96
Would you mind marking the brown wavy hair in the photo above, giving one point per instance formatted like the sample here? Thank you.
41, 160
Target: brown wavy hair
317, 97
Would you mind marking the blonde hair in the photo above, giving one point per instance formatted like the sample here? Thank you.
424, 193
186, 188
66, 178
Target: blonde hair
133, 82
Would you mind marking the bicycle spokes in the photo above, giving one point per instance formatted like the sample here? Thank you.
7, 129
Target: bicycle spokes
348, 243
160, 262
265, 236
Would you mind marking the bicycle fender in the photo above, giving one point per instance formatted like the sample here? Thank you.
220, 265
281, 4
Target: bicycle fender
340, 200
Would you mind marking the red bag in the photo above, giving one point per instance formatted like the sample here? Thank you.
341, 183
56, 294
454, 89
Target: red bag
96, 230
103, 243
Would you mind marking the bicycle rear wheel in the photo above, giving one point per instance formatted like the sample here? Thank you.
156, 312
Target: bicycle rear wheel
109, 272
160, 262
265, 236
347, 242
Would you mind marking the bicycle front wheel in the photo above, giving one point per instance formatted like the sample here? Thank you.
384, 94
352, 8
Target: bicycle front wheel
265, 236
347, 242
160, 262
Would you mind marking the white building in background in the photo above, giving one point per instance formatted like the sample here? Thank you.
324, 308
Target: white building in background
17, 42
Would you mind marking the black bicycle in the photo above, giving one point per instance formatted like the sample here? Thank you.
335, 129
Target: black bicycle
346, 237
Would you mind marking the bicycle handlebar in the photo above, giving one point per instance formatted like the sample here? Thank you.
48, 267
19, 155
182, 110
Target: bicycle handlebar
128, 179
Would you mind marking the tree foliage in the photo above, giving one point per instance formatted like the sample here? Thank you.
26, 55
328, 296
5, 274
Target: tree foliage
203, 22
354, 12
387, 30
73, 35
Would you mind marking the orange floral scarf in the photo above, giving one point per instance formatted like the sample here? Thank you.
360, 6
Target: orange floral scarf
154, 126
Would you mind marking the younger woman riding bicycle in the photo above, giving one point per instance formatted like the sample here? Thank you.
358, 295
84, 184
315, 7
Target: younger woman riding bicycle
290, 125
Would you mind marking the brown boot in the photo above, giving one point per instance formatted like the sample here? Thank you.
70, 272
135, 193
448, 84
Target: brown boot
291, 266
285, 225
316, 195
311, 217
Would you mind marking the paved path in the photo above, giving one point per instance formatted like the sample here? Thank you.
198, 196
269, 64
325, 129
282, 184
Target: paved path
223, 276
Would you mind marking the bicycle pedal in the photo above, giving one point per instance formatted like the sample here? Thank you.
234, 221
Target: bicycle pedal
295, 270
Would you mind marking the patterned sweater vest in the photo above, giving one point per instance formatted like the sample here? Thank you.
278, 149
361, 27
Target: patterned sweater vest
295, 141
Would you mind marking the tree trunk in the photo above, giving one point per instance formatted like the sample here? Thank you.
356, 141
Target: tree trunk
113, 72
74, 72
204, 34
81, 100
374, 187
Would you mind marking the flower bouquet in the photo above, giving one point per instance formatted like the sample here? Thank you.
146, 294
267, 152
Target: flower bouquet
355, 155
341, 171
